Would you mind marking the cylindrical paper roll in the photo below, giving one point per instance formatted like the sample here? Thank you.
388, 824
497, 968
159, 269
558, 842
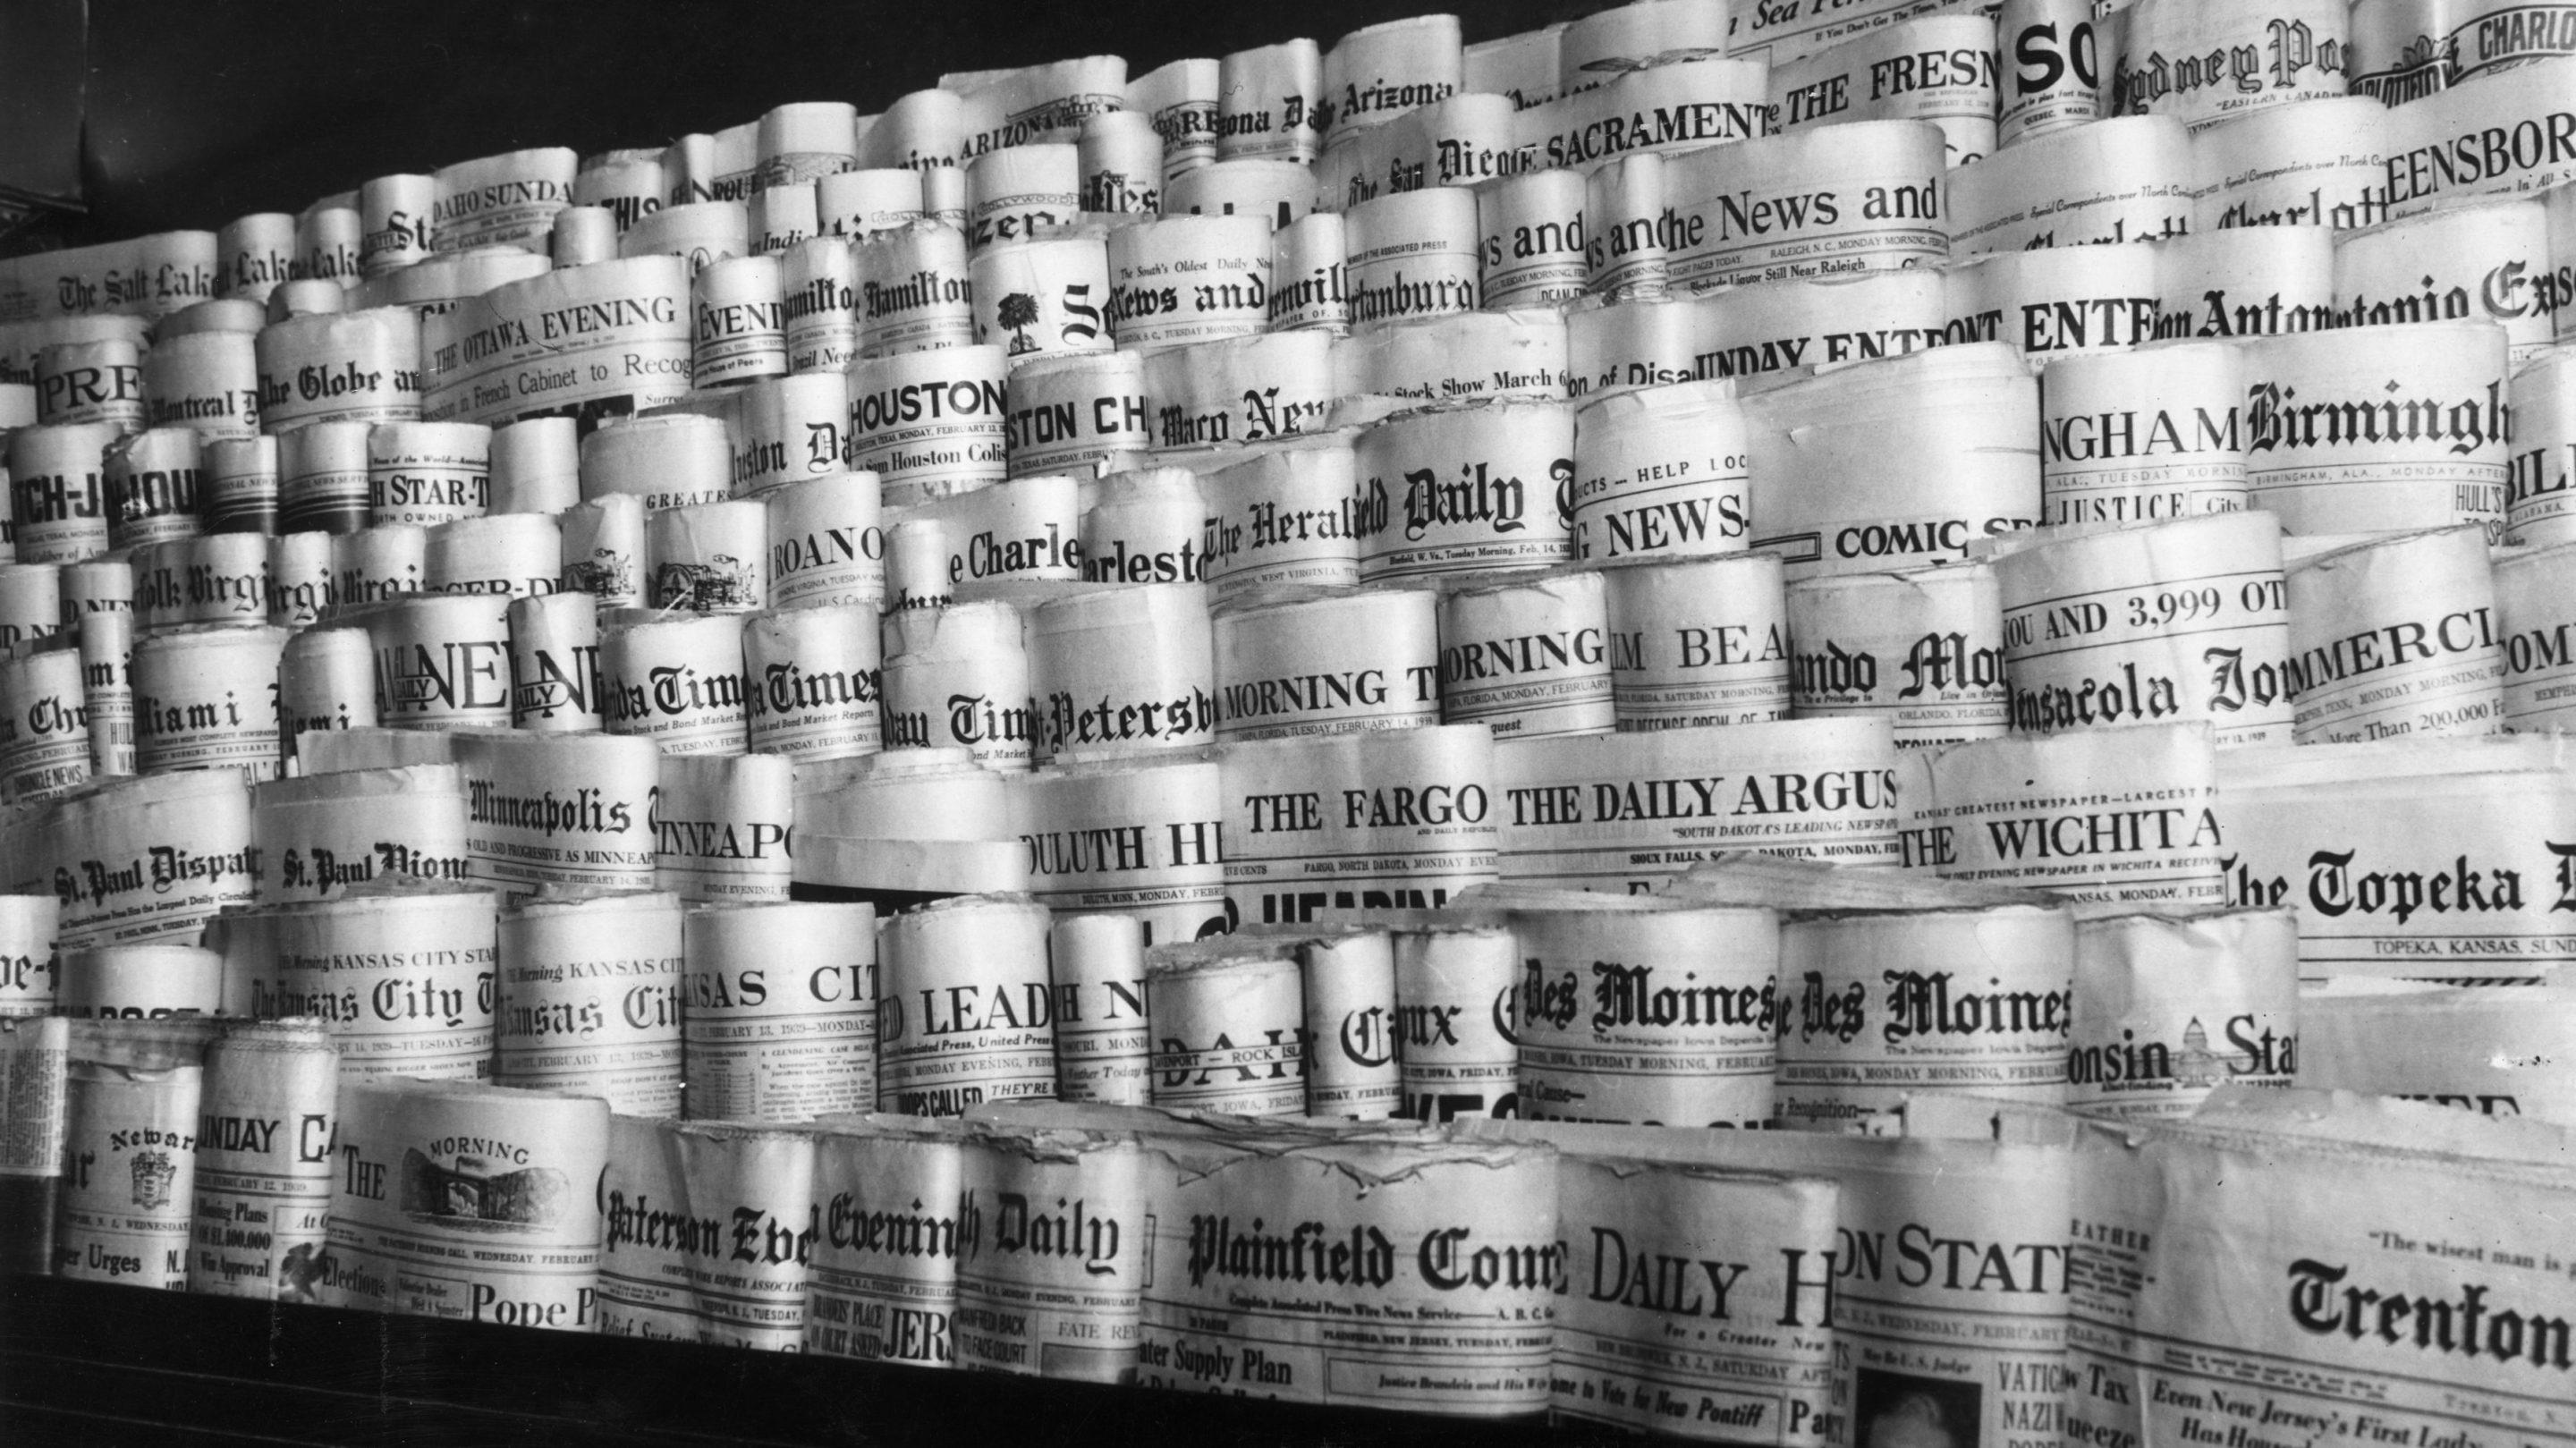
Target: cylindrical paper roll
1229, 1027
2120, 178
1824, 495
57, 502
2000, 811
1071, 414
264, 1171
513, 554
428, 472
582, 235
781, 1009
2180, 620
1328, 664
152, 486
535, 465
208, 381
84, 382
2295, 48
1102, 1039
46, 752
1243, 389
1924, 650
1645, 342
299, 579
1309, 276
353, 367
1125, 669
670, 460
819, 280
590, 999
812, 676
140, 982
439, 1181
825, 546
240, 485
722, 827
627, 184
935, 1057
1282, 518
30, 602
1858, 197
27, 971
2379, 428
740, 321
206, 698
1531, 237
930, 423
1186, 279
963, 682
1026, 1308
786, 428
2534, 611
1890, 1002
322, 478
1660, 472
1627, 233
698, 232
1013, 194
1649, 1015
131, 1101
915, 290
1465, 490
1457, 991
325, 834
1270, 102
1527, 658
2167, 1008
378, 564
405, 979
326, 679
677, 682
883, 1280
1351, 1015
781, 216
603, 550
1412, 254
1121, 163
865, 203
1698, 641
2461, 259
1179, 100
710, 557
2144, 435
760, 1181
2053, 80
443, 660
2312, 164
394, 222
554, 663
1137, 837
253, 254
2395, 636
1034, 297
1144, 526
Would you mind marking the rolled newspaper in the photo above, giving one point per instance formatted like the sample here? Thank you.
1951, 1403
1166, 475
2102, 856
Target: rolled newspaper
321, 835
205, 698
966, 1008
1924, 649
1391, 819
929, 423
1527, 657
1144, 525
1051, 1246
443, 660
1463, 356
1327, 663
240, 485
1247, 389
33, 1062
2150, 433
1457, 991
710, 558
90, 381
1037, 298
47, 754
1129, 837
1229, 1027
780, 1006
360, 366
1698, 641
1071, 414
326, 680
813, 682
721, 826
1867, 193
2316, 163
2395, 636
1124, 669
666, 460
554, 663
2152, 622
472, 1203
676, 682
644, 1288
262, 1197
882, 1283
603, 555
508, 555
589, 999
738, 311
1660, 472
1282, 517
559, 810
1102, 1038
2291, 53
131, 1096
404, 976
493, 360
1648, 1012
2120, 815
139, 982
1271, 103
27, 966
1412, 254
2168, 1007
208, 381
2125, 178
961, 678
2543, 401
1466, 478
749, 1282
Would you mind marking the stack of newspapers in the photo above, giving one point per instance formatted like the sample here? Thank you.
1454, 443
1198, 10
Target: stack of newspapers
1810, 724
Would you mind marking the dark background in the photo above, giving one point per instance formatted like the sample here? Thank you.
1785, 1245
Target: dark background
203, 110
